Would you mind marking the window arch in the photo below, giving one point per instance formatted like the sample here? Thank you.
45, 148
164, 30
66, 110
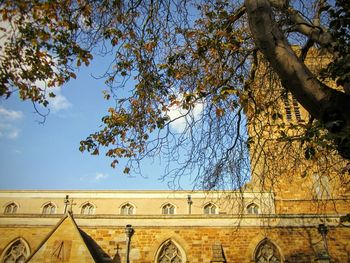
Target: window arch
267, 252
170, 252
49, 208
87, 209
127, 209
16, 252
253, 209
168, 209
11, 208
210, 209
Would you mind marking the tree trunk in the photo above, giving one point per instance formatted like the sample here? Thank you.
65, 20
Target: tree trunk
329, 106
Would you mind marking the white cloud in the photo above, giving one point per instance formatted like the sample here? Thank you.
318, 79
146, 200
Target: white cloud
59, 102
16, 151
179, 121
8, 131
10, 114
13, 134
101, 176
8, 118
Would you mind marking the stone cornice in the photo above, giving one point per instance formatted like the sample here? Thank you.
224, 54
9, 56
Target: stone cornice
304, 220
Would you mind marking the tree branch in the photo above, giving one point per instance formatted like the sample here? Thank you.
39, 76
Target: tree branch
315, 32
329, 106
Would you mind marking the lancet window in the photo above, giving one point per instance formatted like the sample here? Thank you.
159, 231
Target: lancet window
294, 105
253, 209
87, 209
210, 209
49, 208
321, 186
11, 208
127, 209
168, 209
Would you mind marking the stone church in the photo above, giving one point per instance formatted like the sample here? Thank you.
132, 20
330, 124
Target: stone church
293, 213
169, 226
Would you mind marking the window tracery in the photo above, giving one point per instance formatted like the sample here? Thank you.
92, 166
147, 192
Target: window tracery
169, 253
168, 209
210, 209
16, 253
127, 209
49, 209
11, 208
87, 209
267, 252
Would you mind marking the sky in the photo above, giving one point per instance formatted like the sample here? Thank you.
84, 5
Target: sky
46, 156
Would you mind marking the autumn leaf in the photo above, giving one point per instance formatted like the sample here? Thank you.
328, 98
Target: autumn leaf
149, 46
219, 112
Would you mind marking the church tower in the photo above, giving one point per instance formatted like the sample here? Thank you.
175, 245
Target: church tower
287, 148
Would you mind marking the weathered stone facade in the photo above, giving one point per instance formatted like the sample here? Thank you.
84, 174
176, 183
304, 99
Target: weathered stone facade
196, 237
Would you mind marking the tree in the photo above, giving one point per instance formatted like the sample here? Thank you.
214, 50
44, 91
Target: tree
201, 59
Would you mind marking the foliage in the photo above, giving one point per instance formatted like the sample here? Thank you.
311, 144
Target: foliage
339, 68
196, 58
43, 42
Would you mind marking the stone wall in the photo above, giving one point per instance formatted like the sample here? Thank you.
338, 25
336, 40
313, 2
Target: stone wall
295, 244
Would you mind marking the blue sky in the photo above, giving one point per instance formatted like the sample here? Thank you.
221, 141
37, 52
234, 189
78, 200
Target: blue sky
47, 156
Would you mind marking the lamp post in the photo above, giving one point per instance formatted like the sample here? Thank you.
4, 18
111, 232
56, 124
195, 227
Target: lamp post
323, 256
129, 231
189, 202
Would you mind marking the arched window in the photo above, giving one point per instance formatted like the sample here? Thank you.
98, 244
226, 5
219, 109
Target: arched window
170, 253
87, 209
321, 186
168, 209
127, 209
49, 209
267, 252
209, 209
253, 209
16, 252
11, 208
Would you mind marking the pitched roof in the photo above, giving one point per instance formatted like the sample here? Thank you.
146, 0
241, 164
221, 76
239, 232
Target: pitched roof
67, 243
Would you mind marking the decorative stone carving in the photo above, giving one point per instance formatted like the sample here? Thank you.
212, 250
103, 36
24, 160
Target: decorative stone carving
267, 252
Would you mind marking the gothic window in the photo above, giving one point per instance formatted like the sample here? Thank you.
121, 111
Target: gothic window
170, 253
87, 209
210, 209
168, 209
296, 109
127, 209
267, 252
11, 208
17, 252
253, 209
49, 208
321, 186
287, 106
